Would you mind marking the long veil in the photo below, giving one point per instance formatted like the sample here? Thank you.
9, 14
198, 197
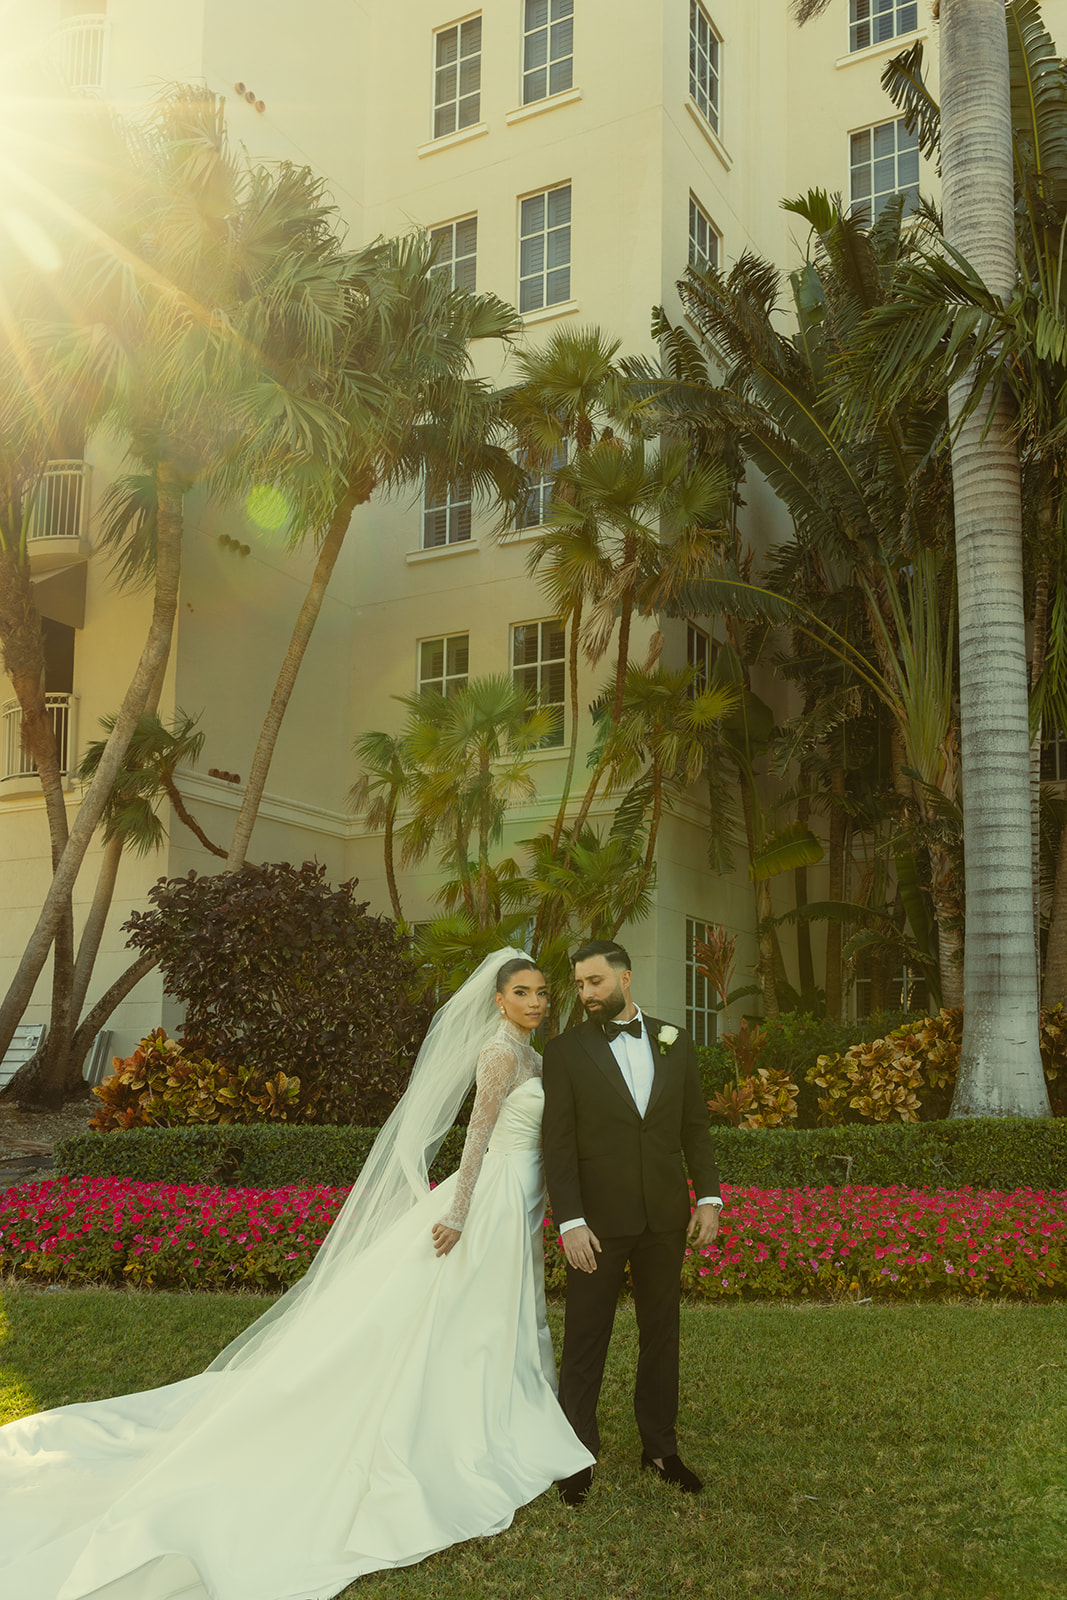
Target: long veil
394, 1176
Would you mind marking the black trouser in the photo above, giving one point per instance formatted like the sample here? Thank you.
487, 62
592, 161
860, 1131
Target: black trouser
655, 1268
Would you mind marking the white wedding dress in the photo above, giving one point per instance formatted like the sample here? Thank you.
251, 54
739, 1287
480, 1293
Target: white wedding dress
410, 1406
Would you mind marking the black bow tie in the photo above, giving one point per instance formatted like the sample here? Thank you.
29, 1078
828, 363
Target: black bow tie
613, 1029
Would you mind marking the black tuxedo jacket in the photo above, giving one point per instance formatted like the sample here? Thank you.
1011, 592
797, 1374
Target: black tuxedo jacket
605, 1162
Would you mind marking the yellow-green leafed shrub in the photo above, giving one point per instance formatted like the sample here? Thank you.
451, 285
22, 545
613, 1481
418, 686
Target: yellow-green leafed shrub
910, 1073
161, 1085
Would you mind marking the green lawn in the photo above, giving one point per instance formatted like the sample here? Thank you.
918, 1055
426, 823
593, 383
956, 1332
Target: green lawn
859, 1452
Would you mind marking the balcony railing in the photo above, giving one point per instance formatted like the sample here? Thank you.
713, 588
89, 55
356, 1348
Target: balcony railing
81, 52
60, 502
15, 759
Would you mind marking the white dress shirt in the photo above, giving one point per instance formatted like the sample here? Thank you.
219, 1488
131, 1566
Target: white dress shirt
638, 1067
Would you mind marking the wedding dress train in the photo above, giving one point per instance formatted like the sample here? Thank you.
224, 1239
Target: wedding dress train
411, 1405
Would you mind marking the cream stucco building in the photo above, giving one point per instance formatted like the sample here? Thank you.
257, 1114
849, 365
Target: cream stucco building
571, 156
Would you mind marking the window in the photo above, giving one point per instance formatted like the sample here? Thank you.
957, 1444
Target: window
545, 249
547, 48
701, 1019
538, 504
539, 665
704, 63
890, 989
446, 517
1053, 755
883, 161
444, 664
703, 238
874, 21
698, 656
456, 245
457, 78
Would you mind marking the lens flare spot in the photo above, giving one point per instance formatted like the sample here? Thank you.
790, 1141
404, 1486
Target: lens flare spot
38, 248
269, 508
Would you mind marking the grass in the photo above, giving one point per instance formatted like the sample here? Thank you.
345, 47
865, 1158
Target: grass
912, 1452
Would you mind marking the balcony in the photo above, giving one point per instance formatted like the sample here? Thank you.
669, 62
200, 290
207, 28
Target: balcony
17, 768
80, 47
58, 516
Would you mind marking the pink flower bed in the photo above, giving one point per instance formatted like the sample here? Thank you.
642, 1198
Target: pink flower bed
888, 1243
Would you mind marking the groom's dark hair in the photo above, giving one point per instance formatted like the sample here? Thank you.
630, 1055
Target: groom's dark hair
613, 954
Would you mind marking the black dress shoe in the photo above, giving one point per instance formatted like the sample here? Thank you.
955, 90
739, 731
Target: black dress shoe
573, 1490
673, 1470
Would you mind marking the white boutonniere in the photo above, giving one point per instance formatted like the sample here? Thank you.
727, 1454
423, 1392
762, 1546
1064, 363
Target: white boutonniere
666, 1037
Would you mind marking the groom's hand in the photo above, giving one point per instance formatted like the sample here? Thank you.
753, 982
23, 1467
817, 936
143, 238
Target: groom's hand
704, 1225
578, 1246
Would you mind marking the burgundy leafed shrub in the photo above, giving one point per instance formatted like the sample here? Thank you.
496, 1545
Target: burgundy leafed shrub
281, 971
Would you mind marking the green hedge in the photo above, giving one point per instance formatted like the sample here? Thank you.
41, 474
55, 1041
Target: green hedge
250, 1156
981, 1153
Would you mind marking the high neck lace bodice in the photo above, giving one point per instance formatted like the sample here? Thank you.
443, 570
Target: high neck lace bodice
505, 1063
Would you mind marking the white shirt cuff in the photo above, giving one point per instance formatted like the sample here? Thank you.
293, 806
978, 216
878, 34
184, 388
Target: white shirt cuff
575, 1222
710, 1200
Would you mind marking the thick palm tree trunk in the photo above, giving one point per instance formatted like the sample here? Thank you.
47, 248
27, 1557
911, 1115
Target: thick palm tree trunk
294, 656
1000, 1063
95, 922
157, 644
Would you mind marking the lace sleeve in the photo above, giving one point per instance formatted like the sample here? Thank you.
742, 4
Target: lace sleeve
498, 1066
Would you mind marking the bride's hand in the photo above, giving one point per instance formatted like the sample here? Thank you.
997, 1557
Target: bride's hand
444, 1238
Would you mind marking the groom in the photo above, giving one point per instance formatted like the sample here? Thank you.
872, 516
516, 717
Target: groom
623, 1103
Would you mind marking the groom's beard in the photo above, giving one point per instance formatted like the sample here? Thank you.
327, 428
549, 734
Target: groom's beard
606, 1007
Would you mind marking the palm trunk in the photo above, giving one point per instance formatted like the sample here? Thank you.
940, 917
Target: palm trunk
390, 865
484, 919
805, 958
947, 918
357, 493
561, 814
1000, 1070
183, 814
94, 1020
625, 620
762, 895
1037, 666
93, 932
157, 644
835, 889
1054, 987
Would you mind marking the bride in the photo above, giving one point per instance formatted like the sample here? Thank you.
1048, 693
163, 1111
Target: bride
398, 1399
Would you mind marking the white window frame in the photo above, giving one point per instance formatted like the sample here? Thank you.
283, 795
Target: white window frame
902, 16
538, 505
705, 65
701, 1018
555, 67
698, 654
875, 201
455, 508
700, 222
465, 108
519, 670
450, 682
551, 235
460, 265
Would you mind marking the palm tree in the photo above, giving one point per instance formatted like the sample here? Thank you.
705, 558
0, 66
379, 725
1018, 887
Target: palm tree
949, 322
470, 756
157, 318
377, 794
400, 376
862, 501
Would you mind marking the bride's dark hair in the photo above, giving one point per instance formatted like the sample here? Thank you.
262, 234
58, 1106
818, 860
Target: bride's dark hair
510, 968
